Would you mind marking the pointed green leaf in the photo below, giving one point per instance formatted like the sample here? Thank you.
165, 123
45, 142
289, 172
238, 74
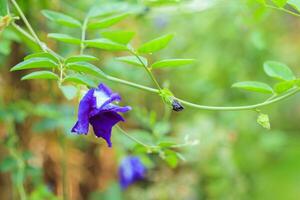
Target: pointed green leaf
107, 22
279, 3
34, 63
133, 60
40, 75
278, 70
105, 44
61, 18
253, 86
295, 4
108, 9
172, 63
64, 38
119, 36
79, 79
283, 86
69, 91
41, 55
156, 44
86, 68
81, 58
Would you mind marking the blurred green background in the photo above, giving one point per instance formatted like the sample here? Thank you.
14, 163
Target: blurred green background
235, 159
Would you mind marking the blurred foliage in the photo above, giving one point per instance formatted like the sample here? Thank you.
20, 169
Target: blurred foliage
235, 157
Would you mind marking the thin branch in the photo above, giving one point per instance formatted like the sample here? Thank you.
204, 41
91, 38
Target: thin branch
283, 9
149, 147
28, 25
147, 69
83, 33
237, 108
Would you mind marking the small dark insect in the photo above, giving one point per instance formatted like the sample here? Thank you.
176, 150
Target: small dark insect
177, 106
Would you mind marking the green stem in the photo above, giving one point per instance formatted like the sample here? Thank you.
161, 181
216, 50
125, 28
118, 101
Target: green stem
152, 148
33, 36
237, 108
147, 69
38, 41
61, 72
83, 33
149, 147
131, 84
20, 175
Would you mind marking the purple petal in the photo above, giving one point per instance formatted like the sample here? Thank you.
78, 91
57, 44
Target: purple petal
109, 107
85, 106
104, 88
103, 123
130, 171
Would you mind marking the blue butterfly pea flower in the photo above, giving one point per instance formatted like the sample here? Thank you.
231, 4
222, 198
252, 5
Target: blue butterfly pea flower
131, 170
97, 108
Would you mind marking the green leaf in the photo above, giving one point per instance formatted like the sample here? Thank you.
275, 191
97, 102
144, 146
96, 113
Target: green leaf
69, 91
278, 70
171, 158
34, 63
81, 58
279, 3
253, 86
264, 121
41, 55
295, 4
133, 60
156, 44
40, 75
172, 63
106, 9
61, 18
107, 22
64, 38
283, 86
105, 44
86, 68
78, 79
119, 36
3, 7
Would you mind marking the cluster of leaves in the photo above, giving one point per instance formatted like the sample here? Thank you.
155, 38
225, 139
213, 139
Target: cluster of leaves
156, 139
78, 69
281, 72
286, 82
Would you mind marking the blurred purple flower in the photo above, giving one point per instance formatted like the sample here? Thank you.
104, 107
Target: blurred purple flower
131, 170
97, 108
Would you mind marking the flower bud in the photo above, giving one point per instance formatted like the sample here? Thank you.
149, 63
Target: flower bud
177, 106
169, 99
